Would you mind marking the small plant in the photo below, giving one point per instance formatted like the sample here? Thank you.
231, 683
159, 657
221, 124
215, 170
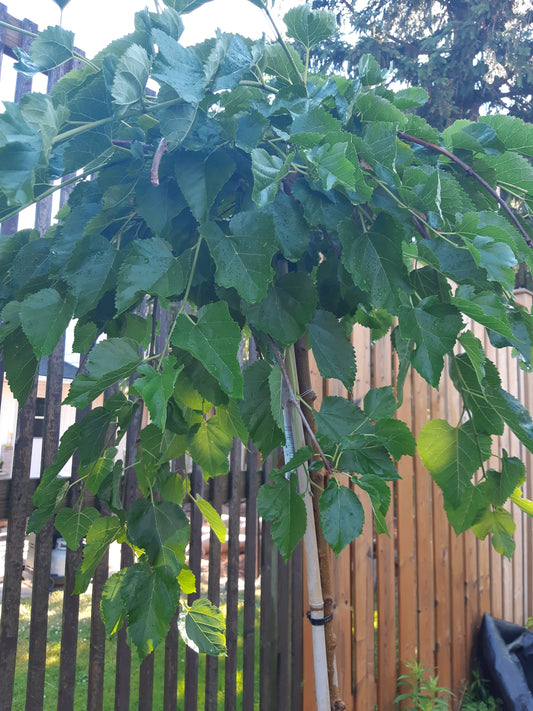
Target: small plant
424, 693
477, 697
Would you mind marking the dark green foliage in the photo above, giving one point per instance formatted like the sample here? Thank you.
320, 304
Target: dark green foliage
259, 203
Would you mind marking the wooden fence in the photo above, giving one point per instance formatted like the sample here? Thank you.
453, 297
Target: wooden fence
418, 594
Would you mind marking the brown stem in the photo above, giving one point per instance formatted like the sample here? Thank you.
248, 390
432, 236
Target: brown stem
301, 355
309, 430
470, 171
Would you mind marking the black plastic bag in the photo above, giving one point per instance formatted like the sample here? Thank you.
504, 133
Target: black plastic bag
506, 657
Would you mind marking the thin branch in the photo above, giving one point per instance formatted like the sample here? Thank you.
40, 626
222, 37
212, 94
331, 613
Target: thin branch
470, 171
161, 150
296, 402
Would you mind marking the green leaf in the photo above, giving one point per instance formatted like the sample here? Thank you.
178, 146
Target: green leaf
284, 506
467, 382
150, 598
190, 81
508, 407
502, 526
20, 364
44, 318
176, 121
376, 108
214, 339
256, 409
102, 532
434, 327
396, 436
211, 444
452, 455
341, 515
201, 179
156, 387
212, 517
146, 262
412, 97
291, 229
310, 27
52, 47
380, 402
513, 132
109, 361
275, 383
88, 272
469, 510
161, 529
496, 258
374, 260
332, 350
339, 418
484, 307
205, 627
500, 485
112, 605
20, 150
268, 171
130, 80
74, 525
276, 64
243, 258
475, 353
379, 493
187, 581
287, 308
369, 71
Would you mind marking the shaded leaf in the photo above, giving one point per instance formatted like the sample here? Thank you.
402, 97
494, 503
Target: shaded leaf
341, 515
332, 350
214, 339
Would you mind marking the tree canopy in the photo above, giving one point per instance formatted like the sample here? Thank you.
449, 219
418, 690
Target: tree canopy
253, 197
467, 55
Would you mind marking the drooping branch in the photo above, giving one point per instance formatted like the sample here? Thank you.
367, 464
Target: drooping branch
158, 155
469, 171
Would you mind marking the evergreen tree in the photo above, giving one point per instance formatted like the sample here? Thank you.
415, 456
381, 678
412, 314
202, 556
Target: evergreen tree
467, 55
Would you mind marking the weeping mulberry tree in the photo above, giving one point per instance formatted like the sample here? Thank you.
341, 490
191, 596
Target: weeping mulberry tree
259, 203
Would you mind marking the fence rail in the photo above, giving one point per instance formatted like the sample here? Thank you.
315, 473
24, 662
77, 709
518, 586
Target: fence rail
417, 594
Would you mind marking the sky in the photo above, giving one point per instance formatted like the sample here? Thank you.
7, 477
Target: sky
97, 22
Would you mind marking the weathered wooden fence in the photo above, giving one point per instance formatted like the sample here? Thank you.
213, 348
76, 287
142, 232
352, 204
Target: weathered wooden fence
418, 594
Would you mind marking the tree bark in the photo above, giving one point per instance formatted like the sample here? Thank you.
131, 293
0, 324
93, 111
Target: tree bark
324, 553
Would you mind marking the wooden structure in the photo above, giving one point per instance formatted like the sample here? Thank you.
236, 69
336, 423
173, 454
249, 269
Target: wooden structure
418, 594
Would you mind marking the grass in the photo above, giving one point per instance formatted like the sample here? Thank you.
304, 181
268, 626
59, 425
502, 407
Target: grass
82, 663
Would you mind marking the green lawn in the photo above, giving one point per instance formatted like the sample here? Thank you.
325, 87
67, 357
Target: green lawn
52, 665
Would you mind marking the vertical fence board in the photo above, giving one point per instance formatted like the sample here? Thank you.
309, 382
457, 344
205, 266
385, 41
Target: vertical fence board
16, 529
283, 634
195, 557
95, 684
363, 561
213, 593
250, 556
44, 540
146, 683
232, 600
266, 642
386, 579
407, 631
296, 605
441, 559
457, 578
